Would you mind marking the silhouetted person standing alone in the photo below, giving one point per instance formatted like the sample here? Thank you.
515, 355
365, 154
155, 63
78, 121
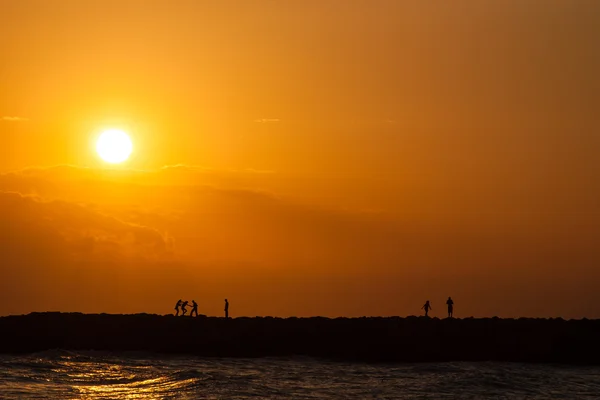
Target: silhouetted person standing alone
226, 309
450, 306
194, 308
177, 307
183, 307
426, 307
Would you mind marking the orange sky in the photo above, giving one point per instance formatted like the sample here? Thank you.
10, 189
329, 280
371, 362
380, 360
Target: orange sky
302, 157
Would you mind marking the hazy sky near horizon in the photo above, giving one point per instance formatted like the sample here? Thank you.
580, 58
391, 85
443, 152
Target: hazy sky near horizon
302, 157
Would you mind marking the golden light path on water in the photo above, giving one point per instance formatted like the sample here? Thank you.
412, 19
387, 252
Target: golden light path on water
117, 382
148, 389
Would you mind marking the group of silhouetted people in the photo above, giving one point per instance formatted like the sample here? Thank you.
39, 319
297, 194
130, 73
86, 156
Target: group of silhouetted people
181, 306
449, 302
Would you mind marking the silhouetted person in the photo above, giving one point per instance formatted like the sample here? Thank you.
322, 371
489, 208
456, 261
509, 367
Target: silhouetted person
177, 307
450, 306
426, 307
194, 308
183, 307
226, 309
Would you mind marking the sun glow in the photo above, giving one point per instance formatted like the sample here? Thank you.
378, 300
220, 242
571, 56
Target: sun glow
114, 146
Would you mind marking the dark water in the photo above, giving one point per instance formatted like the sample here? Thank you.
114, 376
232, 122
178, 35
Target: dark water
65, 375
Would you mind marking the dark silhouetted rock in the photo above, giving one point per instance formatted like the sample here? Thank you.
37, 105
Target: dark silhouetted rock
391, 339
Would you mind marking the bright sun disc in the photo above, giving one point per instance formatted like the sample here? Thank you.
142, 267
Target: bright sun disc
114, 146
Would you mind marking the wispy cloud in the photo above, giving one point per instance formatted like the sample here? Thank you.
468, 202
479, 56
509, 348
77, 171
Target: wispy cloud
267, 120
14, 119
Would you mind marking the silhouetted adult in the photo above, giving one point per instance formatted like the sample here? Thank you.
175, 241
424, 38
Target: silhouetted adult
194, 308
177, 307
426, 307
450, 306
183, 307
226, 309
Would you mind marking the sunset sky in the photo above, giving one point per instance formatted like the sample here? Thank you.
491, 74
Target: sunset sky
302, 157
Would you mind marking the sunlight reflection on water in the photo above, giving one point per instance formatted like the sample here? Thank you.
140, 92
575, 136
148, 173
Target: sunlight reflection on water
63, 375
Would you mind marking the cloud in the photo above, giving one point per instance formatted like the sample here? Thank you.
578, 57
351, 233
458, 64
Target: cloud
212, 216
73, 183
76, 224
60, 255
267, 120
14, 119
202, 169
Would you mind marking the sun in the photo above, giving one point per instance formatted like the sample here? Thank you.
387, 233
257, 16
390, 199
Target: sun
114, 146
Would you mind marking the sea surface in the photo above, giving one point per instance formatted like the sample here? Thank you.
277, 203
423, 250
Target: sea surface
67, 375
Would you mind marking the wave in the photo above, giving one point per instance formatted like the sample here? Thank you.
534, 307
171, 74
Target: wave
106, 375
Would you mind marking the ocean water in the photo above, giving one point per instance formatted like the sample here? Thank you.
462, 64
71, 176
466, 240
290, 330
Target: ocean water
66, 375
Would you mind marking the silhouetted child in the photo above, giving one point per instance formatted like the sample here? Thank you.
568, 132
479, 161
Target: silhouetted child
450, 306
426, 307
177, 307
183, 307
226, 309
194, 308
